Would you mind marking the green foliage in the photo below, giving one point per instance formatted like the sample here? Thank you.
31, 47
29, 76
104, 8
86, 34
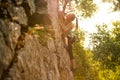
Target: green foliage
42, 36
108, 74
41, 33
78, 45
106, 51
106, 46
84, 71
87, 7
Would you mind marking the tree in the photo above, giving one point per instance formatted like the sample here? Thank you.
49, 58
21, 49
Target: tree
106, 46
106, 51
85, 8
84, 62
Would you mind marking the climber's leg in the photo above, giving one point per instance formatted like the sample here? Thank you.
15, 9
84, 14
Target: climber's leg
73, 64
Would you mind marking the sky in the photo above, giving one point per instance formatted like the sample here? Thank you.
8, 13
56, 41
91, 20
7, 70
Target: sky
104, 14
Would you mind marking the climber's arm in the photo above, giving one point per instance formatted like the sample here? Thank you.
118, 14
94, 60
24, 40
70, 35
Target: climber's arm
64, 5
68, 28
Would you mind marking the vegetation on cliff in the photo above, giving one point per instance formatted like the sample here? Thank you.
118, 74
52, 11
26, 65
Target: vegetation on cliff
32, 47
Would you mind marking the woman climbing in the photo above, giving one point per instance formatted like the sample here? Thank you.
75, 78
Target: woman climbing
67, 35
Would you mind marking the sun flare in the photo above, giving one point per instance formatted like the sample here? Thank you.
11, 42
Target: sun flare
104, 14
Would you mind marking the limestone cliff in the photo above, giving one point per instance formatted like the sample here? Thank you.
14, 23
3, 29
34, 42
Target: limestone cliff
26, 54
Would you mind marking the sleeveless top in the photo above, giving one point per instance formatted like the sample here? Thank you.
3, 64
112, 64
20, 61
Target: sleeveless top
70, 33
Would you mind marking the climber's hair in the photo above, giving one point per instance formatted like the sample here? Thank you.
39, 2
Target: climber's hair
70, 17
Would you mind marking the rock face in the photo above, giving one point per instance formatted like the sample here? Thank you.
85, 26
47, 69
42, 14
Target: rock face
22, 55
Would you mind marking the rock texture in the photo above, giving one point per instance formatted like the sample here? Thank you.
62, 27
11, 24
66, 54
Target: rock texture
22, 55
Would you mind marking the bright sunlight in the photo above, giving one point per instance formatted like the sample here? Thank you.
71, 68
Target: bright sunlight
104, 14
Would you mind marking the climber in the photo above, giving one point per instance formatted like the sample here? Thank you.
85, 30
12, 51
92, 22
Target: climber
66, 25
67, 35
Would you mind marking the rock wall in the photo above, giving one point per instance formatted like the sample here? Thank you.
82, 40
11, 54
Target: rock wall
22, 55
